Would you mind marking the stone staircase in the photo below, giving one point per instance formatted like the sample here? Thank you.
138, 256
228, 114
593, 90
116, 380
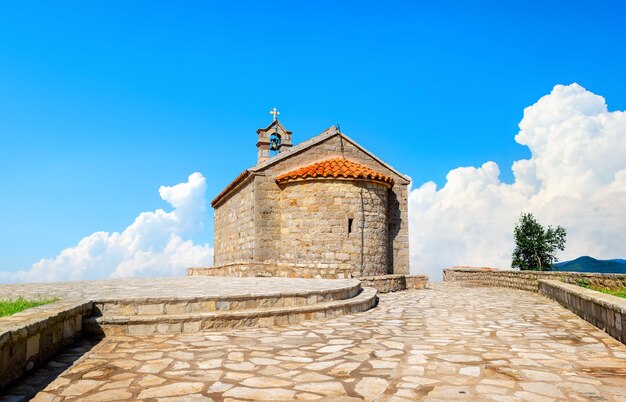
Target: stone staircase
172, 315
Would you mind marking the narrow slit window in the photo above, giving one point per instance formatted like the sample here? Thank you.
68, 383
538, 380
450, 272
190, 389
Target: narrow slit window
350, 225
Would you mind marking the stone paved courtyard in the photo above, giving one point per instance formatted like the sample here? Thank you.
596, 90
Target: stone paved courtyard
447, 342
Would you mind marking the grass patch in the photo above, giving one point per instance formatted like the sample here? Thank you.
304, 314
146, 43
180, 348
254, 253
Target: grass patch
619, 292
583, 283
9, 307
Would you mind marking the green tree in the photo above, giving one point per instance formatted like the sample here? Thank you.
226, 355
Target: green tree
536, 246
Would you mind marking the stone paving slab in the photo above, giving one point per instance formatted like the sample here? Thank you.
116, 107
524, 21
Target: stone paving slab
174, 288
444, 343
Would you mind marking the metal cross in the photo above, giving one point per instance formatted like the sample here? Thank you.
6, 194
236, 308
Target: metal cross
275, 113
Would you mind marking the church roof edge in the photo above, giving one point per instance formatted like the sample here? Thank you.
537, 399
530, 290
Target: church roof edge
326, 134
233, 184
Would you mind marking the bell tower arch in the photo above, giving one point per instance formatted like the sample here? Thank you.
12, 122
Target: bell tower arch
272, 139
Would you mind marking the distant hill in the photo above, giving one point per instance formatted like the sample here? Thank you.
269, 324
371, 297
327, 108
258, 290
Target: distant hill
590, 264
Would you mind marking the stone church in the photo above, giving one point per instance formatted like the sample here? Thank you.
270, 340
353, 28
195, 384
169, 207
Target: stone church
326, 207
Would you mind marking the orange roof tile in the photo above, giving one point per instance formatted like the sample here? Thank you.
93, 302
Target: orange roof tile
335, 168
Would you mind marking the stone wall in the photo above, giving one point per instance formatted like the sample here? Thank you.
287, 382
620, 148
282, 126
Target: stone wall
528, 280
234, 227
395, 283
398, 253
416, 281
314, 224
31, 337
606, 312
386, 283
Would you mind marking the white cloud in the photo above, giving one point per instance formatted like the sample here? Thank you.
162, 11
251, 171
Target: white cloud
153, 245
575, 178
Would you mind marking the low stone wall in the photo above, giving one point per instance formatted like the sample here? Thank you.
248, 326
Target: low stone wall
385, 283
605, 311
382, 283
528, 280
416, 281
279, 270
395, 283
31, 337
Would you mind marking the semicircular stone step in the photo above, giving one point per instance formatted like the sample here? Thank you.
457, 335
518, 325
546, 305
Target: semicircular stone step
189, 322
184, 305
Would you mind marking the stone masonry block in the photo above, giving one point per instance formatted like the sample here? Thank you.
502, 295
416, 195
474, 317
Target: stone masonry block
32, 346
142, 329
191, 326
151, 309
69, 327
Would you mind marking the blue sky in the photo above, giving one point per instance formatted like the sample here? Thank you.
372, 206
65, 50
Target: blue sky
103, 102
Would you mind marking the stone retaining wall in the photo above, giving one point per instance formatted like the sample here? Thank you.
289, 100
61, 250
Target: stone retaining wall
386, 283
605, 311
416, 281
382, 283
185, 305
395, 283
528, 280
31, 337
253, 269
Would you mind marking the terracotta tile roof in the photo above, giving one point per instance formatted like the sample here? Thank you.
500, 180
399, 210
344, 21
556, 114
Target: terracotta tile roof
231, 186
335, 168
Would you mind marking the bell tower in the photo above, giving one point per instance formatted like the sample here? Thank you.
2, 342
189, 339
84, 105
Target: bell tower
272, 139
